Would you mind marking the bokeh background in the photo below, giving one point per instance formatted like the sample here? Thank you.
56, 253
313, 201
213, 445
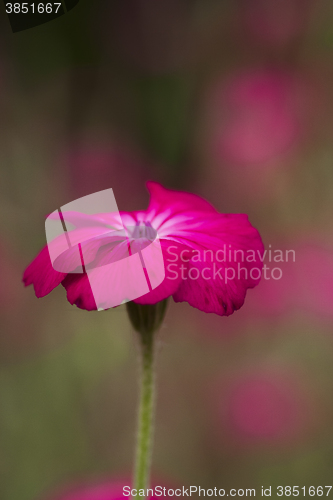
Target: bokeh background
229, 99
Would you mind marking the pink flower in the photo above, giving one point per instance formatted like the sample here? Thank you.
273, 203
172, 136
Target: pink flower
270, 406
257, 116
210, 259
255, 123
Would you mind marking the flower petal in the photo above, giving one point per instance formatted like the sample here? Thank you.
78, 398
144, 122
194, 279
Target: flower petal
41, 274
79, 291
173, 274
219, 277
167, 203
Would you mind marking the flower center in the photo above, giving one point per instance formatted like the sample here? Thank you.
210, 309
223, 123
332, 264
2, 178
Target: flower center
142, 230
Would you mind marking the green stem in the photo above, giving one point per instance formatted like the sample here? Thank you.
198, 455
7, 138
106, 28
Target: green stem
146, 320
146, 413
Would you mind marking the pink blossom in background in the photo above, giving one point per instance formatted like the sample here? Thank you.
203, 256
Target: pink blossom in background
96, 166
256, 116
255, 122
186, 226
275, 23
266, 405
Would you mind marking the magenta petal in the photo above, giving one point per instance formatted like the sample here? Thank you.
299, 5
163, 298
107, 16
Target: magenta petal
41, 274
175, 202
211, 295
218, 285
79, 291
173, 276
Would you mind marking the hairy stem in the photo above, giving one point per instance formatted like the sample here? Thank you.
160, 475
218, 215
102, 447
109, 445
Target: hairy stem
146, 413
146, 320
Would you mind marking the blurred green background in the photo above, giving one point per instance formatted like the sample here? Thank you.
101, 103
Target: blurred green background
229, 99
